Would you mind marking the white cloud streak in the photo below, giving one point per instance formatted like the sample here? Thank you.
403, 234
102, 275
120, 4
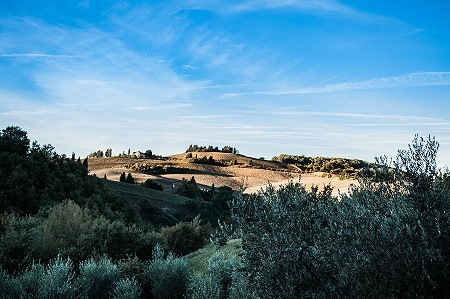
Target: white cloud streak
419, 79
37, 55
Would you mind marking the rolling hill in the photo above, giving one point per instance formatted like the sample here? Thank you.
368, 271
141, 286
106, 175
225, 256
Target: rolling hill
236, 171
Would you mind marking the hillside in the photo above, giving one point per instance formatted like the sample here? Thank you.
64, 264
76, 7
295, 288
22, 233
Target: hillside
240, 173
154, 206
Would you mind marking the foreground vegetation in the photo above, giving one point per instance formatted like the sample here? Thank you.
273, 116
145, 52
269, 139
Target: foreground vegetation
388, 237
65, 234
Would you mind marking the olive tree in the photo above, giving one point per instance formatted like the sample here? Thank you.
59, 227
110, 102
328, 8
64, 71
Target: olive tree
387, 238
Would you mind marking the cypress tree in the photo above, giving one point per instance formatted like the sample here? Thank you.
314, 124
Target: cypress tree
122, 177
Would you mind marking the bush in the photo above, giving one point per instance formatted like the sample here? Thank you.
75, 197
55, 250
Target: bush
62, 230
221, 280
98, 277
10, 287
169, 276
185, 237
153, 185
56, 280
126, 288
18, 241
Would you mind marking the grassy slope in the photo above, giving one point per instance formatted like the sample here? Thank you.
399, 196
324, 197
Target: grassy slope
198, 260
137, 192
155, 206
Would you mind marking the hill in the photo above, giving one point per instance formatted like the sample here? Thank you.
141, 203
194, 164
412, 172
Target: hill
155, 206
234, 170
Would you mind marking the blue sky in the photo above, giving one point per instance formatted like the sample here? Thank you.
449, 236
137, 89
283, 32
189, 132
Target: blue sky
352, 79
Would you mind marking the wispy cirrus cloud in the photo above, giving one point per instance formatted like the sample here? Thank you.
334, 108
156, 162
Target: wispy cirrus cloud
161, 107
359, 115
329, 8
37, 55
418, 79
253, 5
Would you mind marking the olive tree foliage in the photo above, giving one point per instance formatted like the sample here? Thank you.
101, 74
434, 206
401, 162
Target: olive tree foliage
169, 276
387, 238
222, 279
60, 279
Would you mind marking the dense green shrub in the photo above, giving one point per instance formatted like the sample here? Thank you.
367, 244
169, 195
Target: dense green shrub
61, 231
189, 189
18, 239
345, 168
149, 183
10, 287
169, 276
216, 283
126, 288
185, 237
97, 277
56, 280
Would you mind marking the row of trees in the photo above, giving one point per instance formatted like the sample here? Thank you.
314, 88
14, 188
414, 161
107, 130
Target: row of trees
101, 154
340, 166
210, 148
165, 276
108, 154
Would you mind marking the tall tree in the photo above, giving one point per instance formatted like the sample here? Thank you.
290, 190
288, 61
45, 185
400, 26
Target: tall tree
123, 177
14, 140
130, 179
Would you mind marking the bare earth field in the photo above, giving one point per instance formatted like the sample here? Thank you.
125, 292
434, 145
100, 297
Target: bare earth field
248, 174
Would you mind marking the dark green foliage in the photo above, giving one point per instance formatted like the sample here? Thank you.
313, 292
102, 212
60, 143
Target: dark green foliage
130, 179
98, 154
62, 230
108, 153
60, 279
189, 189
123, 177
156, 169
13, 140
209, 148
35, 176
148, 154
223, 233
388, 238
17, 240
97, 278
207, 161
185, 237
149, 183
221, 197
115, 239
346, 168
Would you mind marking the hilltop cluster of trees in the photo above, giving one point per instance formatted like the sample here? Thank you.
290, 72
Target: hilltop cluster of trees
210, 148
101, 154
340, 166
148, 154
